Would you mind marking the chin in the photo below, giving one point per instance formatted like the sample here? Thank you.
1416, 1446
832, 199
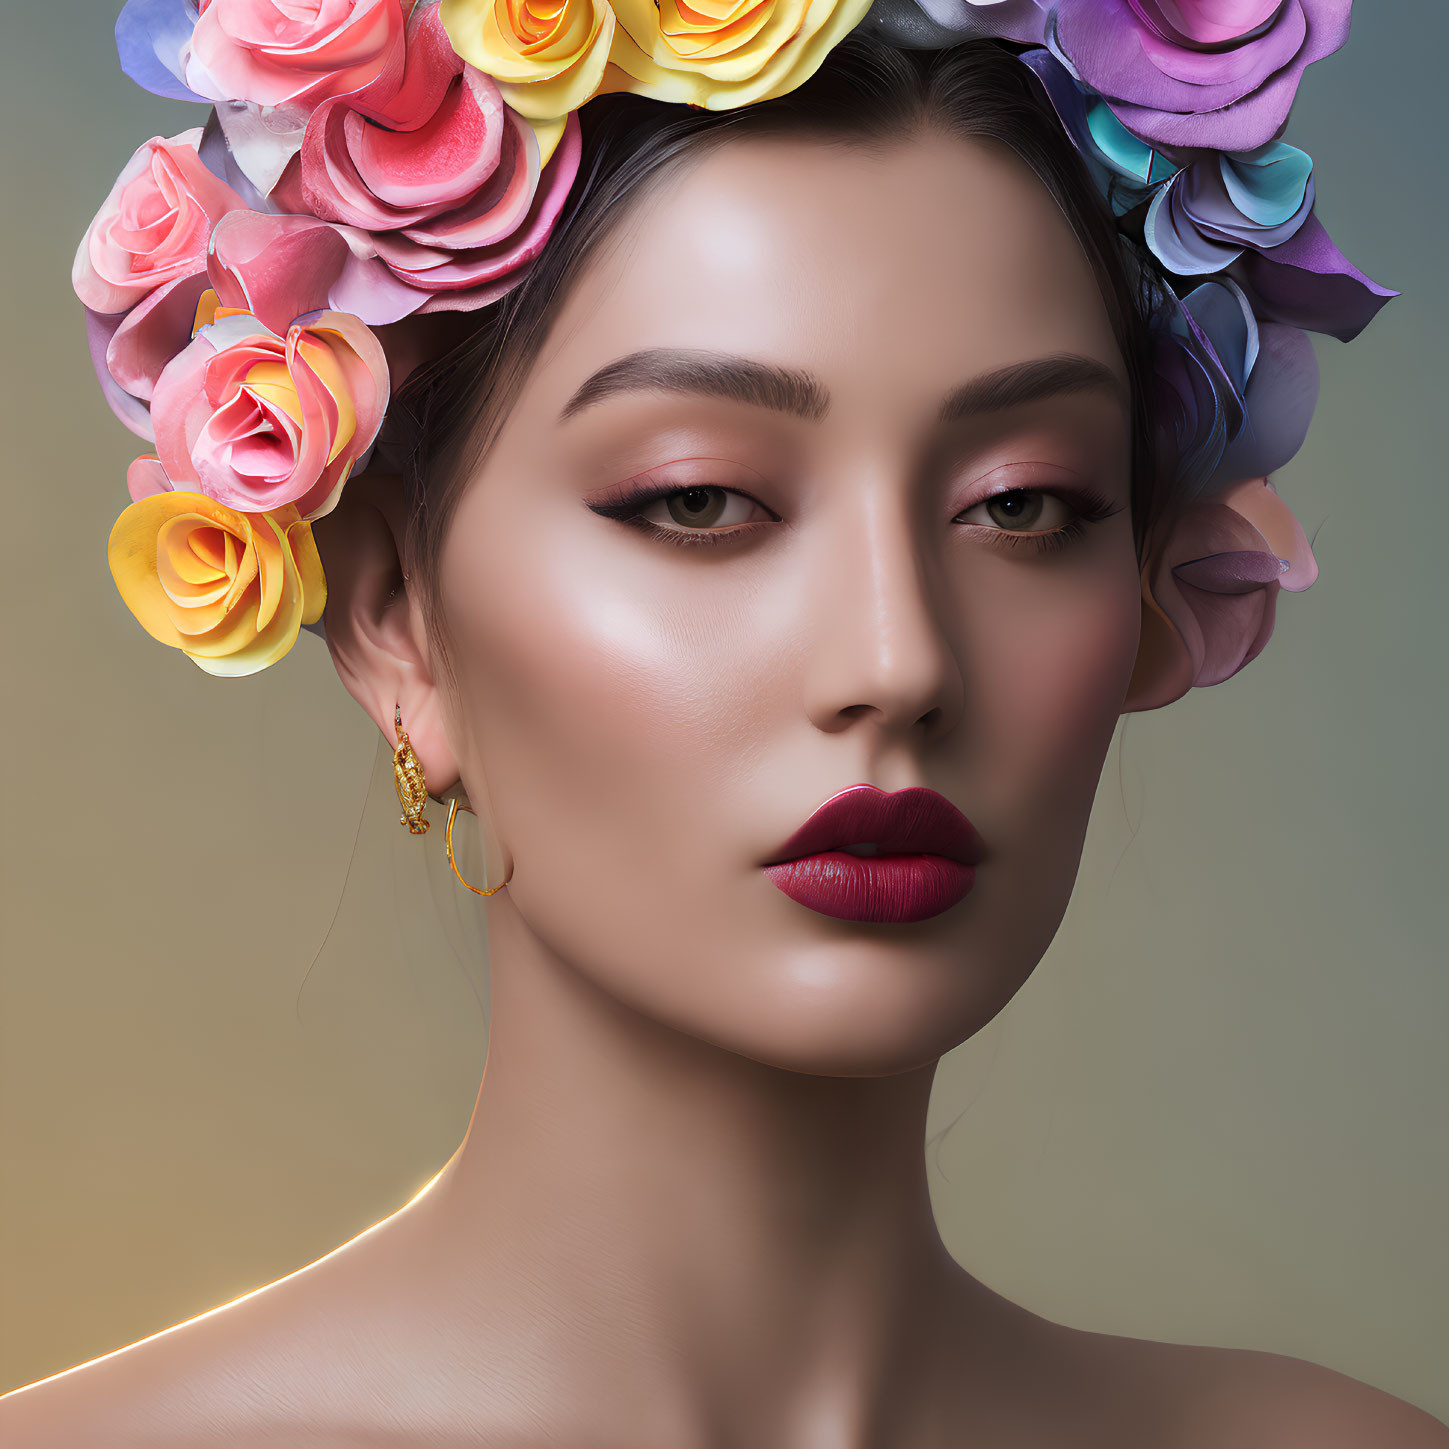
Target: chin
857, 1001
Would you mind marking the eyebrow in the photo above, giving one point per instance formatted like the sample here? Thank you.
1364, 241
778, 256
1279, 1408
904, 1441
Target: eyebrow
1024, 382
795, 391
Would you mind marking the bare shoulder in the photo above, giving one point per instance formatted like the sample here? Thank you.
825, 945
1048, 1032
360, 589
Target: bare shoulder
124, 1398
1186, 1396
335, 1356
1253, 1400
255, 1371
193, 1384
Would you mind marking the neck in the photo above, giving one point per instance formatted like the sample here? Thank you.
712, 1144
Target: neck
674, 1224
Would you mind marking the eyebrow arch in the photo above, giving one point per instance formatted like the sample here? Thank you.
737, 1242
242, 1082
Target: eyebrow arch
717, 374
1024, 382
795, 391
1019, 383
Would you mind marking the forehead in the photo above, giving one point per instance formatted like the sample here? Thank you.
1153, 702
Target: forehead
890, 272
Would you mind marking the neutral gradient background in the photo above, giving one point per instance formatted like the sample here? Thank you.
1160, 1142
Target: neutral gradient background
1219, 1111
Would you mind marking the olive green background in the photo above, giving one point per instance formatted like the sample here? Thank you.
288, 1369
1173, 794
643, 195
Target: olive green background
1217, 1113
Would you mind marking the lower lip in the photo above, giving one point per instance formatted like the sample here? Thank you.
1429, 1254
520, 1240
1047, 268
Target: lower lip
884, 888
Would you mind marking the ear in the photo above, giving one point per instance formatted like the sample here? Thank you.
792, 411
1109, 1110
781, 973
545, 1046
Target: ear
1210, 590
373, 621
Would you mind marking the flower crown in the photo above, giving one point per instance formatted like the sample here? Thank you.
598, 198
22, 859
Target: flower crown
250, 285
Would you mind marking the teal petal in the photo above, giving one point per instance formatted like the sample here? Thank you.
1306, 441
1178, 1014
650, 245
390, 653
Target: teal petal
1269, 184
1125, 153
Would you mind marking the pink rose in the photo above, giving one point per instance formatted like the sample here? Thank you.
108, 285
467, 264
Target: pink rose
417, 154
142, 262
293, 52
442, 175
257, 420
153, 227
468, 257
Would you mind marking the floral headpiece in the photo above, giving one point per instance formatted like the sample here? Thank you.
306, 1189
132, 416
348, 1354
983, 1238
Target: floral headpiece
250, 284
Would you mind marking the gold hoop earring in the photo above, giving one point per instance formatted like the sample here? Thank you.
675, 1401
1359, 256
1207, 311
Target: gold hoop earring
412, 785
448, 842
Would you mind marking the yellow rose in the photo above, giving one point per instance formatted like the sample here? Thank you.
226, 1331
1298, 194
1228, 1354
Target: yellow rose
720, 54
229, 589
547, 56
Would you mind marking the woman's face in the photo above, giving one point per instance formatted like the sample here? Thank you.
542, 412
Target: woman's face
656, 709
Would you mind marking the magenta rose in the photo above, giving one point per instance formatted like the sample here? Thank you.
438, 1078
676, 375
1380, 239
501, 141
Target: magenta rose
1219, 74
420, 153
141, 266
442, 176
258, 420
293, 52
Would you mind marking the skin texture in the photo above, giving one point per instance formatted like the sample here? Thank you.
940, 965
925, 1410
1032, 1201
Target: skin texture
692, 1206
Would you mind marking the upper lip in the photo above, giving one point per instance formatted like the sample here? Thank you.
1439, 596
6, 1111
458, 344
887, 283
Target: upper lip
912, 820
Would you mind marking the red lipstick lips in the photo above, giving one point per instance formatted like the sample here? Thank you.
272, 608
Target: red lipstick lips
927, 854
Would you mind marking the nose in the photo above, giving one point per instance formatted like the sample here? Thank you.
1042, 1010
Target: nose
880, 645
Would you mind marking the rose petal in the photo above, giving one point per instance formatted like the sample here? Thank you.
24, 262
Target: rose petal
1308, 282
1279, 400
276, 267
100, 328
146, 476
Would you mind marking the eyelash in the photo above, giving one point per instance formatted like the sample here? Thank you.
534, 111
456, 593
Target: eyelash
1089, 507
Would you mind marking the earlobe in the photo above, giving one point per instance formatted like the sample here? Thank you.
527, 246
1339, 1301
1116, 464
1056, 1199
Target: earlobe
374, 625
1210, 590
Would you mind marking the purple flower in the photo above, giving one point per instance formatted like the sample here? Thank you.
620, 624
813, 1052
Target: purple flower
1235, 394
1245, 213
1197, 73
1205, 216
151, 36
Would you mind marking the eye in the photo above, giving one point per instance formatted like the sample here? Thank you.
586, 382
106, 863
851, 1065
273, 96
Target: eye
700, 506
1025, 510
1037, 520
698, 513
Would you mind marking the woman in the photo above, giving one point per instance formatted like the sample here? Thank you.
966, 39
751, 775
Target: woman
805, 497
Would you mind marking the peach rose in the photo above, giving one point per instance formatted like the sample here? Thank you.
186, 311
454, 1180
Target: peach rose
229, 589
1210, 590
258, 421
547, 56
724, 53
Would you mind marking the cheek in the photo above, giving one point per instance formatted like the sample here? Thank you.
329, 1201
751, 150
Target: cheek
598, 709
1046, 671
1049, 684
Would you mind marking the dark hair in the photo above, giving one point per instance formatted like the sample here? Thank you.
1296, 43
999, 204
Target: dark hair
867, 92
